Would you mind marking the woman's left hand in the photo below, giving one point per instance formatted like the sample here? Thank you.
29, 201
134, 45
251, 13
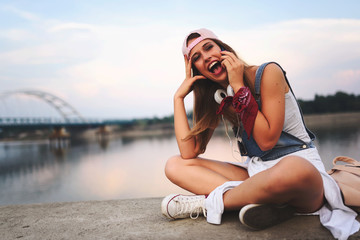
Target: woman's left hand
235, 69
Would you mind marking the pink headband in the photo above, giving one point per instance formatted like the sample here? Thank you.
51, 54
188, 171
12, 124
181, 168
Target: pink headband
204, 34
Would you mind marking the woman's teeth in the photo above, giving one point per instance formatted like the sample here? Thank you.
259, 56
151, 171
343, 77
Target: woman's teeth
212, 65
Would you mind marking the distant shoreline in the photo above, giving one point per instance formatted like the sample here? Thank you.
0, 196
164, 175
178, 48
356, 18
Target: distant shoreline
326, 120
313, 121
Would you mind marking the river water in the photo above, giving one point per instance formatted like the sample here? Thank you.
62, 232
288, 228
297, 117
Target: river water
35, 172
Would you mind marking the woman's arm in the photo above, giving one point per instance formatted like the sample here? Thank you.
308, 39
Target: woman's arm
270, 120
188, 148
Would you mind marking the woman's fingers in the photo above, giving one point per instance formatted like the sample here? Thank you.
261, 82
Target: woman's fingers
197, 77
187, 67
230, 54
229, 60
186, 86
232, 59
234, 67
192, 80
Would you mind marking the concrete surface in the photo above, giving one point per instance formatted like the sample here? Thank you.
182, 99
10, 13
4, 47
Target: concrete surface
137, 219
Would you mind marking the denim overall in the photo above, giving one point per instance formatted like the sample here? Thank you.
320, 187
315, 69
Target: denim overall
286, 144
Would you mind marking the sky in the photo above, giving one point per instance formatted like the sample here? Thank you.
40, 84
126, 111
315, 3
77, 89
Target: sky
122, 59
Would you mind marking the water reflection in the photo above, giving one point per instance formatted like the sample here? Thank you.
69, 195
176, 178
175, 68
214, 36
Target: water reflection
104, 143
338, 141
87, 170
34, 172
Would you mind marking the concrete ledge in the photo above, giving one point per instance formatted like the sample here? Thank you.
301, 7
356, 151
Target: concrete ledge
137, 219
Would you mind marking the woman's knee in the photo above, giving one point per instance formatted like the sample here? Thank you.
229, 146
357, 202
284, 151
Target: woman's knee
173, 166
294, 173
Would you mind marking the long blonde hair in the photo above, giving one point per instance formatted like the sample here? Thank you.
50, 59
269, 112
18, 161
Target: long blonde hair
205, 118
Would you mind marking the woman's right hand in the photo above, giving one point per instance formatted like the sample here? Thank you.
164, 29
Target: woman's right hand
186, 86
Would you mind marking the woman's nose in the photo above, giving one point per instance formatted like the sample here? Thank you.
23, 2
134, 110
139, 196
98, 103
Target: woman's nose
207, 57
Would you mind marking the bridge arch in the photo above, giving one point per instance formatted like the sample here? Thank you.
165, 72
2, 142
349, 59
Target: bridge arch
61, 106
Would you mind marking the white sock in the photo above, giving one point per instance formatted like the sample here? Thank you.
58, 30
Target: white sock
214, 203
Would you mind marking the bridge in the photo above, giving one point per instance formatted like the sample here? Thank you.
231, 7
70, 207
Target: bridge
67, 116
36, 122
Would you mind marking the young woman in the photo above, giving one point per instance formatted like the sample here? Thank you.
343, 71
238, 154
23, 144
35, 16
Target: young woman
283, 173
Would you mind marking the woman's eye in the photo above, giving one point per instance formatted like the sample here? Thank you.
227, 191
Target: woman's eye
208, 47
195, 57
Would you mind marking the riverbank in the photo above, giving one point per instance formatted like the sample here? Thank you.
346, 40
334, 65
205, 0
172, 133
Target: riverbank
137, 219
319, 121
313, 121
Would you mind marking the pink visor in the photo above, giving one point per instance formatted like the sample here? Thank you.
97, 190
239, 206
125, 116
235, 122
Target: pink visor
204, 34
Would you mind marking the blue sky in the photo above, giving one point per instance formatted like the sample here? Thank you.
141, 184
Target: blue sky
122, 59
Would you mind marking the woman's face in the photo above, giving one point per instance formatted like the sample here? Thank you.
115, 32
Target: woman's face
206, 57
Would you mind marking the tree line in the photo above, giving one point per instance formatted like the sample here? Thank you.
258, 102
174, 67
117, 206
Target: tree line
339, 102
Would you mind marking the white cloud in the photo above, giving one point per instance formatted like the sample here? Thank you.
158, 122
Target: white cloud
118, 71
70, 26
21, 13
133, 64
310, 50
347, 78
17, 35
53, 47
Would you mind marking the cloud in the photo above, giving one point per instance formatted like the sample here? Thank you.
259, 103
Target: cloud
16, 35
71, 26
20, 13
311, 50
133, 71
348, 78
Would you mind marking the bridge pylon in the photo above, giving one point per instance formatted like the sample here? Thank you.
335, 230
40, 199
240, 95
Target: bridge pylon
59, 138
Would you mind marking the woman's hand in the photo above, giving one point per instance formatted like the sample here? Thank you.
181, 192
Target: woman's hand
188, 148
186, 86
235, 69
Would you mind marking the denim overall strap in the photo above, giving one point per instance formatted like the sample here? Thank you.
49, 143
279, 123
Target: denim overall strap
258, 75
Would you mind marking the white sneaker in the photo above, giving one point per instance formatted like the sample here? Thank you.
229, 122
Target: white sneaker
261, 216
183, 206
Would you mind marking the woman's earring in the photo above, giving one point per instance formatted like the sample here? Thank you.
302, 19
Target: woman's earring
219, 95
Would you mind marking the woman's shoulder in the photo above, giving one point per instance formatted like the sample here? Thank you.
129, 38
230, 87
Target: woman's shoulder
272, 70
265, 71
273, 67
268, 68
273, 77
269, 74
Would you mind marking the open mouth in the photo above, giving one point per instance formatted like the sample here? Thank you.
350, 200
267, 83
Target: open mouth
215, 67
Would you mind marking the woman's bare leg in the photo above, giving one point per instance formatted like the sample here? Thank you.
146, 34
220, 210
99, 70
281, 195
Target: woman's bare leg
293, 181
202, 176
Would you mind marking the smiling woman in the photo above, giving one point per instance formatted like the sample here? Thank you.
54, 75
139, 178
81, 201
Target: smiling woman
283, 172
